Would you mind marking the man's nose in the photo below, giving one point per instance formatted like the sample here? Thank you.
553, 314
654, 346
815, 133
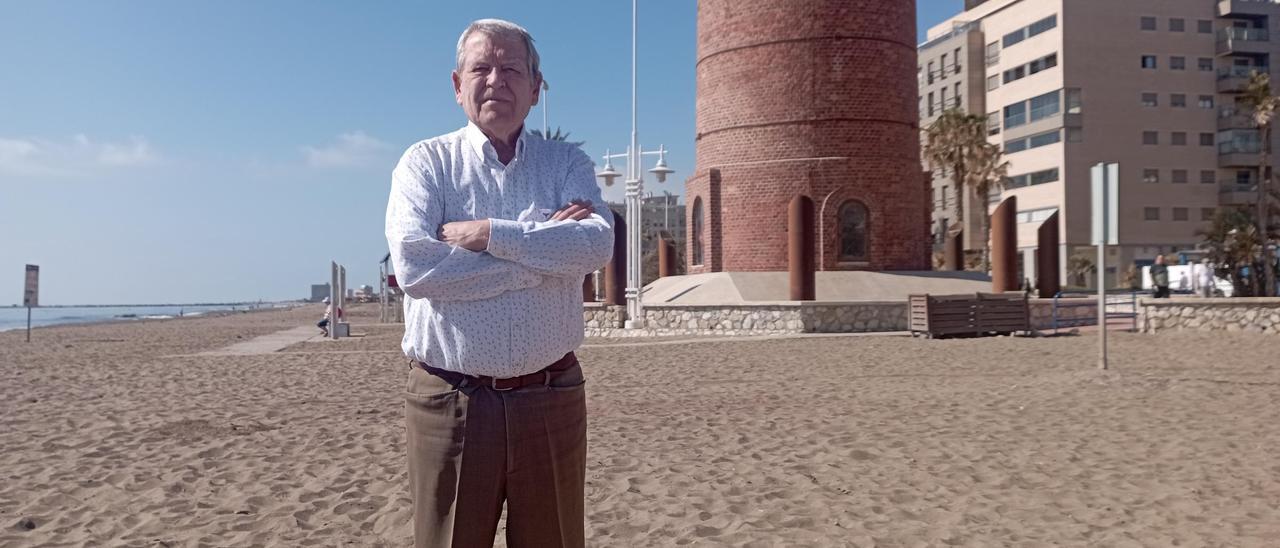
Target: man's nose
495, 79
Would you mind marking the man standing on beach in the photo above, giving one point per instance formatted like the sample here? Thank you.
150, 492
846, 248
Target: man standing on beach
491, 230
1160, 278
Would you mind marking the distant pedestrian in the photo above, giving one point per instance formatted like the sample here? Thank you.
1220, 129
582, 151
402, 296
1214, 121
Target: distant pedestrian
1204, 279
1160, 278
323, 324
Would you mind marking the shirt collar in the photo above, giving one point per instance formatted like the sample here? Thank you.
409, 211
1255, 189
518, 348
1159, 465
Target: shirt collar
479, 142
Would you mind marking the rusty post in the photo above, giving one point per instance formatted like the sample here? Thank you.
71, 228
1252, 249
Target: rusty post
800, 248
1004, 246
666, 257
589, 288
1048, 284
615, 273
953, 250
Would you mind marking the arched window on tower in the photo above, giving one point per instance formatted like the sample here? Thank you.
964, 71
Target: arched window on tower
854, 234
695, 230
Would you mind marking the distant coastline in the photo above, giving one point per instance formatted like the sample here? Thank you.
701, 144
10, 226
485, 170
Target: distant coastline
146, 305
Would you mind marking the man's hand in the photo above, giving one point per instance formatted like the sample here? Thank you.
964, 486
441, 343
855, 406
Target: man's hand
470, 235
577, 210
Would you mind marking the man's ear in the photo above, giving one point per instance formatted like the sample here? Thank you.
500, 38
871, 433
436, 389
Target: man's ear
457, 87
537, 90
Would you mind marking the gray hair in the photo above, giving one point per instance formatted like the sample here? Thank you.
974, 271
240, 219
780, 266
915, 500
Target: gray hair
505, 29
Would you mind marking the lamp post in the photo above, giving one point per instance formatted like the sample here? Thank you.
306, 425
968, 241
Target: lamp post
634, 194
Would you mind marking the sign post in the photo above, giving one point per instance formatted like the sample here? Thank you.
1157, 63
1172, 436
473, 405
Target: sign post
1106, 199
31, 294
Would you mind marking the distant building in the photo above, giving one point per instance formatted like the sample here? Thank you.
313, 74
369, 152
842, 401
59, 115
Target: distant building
1153, 86
318, 292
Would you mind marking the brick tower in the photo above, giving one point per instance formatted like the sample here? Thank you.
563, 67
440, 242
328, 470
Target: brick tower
813, 97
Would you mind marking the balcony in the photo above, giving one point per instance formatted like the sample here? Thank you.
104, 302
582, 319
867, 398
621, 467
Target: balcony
1247, 8
1239, 152
1237, 193
1233, 118
1234, 79
1243, 41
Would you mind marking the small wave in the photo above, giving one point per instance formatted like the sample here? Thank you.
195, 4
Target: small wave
157, 317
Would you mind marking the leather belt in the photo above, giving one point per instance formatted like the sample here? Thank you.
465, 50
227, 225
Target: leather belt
542, 376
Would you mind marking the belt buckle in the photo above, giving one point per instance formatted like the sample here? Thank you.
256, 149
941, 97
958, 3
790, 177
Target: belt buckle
494, 385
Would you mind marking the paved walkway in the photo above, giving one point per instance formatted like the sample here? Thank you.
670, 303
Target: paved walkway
267, 344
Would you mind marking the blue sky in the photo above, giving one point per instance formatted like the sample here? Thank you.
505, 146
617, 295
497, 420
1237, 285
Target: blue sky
224, 151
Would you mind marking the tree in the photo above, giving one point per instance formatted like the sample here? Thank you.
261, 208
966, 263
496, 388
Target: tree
1257, 96
950, 142
987, 170
1079, 268
1232, 242
557, 136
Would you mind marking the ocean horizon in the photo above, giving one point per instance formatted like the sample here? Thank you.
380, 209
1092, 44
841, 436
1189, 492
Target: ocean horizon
16, 317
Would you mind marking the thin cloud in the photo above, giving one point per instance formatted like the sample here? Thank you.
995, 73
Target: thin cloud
351, 150
72, 157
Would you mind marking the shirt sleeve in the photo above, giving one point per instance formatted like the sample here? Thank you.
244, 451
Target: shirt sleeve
428, 268
567, 249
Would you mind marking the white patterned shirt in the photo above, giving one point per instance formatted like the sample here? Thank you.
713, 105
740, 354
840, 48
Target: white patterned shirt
516, 307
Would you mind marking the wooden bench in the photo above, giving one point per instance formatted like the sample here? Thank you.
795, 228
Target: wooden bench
969, 315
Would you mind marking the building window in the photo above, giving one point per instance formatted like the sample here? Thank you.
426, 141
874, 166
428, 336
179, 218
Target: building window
1150, 100
1015, 73
1207, 176
1150, 138
1043, 63
1178, 138
955, 64
1178, 100
1075, 102
1045, 106
696, 230
1150, 175
1205, 64
853, 231
1151, 213
957, 94
993, 82
1032, 179
993, 123
1204, 26
993, 53
1042, 25
1179, 213
1244, 177
1177, 24
1015, 115
1206, 139
1147, 23
1034, 141
1179, 176
1177, 63
930, 72
1205, 101
1148, 61
1206, 213
930, 103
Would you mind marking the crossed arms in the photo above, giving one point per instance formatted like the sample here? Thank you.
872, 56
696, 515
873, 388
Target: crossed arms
484, 258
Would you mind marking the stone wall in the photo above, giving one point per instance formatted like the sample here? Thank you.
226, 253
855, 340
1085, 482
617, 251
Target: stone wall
788, 317
1255, 315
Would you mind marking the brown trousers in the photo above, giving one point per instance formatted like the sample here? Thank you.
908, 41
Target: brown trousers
472, 447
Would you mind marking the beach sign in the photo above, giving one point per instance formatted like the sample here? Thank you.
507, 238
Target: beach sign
31, 294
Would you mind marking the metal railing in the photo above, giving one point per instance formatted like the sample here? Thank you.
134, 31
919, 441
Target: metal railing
1244, 34
1119, 304
1240, 146
1241, 72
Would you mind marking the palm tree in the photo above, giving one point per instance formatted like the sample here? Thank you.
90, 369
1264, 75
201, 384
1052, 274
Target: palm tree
950, 142
1232, 242
987, 170
1257, 95
557, 136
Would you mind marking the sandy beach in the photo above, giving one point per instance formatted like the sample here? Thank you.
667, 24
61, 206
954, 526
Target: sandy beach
124, 434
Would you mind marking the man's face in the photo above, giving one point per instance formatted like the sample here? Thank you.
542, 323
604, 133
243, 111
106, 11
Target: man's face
494, 86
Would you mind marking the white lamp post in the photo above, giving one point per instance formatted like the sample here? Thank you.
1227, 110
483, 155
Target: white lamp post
635, 191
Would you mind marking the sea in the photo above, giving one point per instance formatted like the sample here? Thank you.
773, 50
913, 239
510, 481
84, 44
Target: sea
16, 318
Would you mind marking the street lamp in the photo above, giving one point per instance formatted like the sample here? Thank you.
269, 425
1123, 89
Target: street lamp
634, 193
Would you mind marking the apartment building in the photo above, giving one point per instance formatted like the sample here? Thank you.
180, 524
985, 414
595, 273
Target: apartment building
1149, 84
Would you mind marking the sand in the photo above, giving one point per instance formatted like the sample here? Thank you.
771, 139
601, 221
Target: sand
117, 435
